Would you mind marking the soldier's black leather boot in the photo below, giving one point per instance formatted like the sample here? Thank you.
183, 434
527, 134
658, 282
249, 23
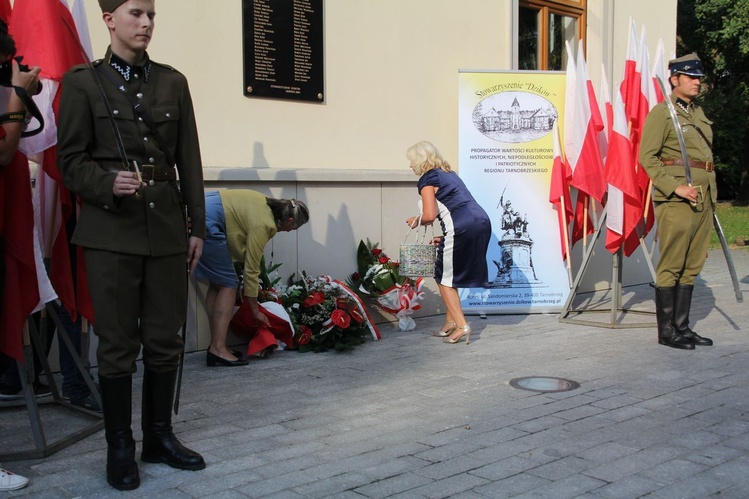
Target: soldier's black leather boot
116, 401
159, 443
682, 305
664, 312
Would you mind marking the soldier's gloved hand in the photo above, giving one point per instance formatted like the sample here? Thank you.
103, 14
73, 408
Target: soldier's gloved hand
125, 184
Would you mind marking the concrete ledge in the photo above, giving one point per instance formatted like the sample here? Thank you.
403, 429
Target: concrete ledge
307, 175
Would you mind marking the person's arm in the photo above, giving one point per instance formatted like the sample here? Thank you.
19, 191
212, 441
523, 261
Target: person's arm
253, 254
190, 164
27, 81
76, 134
429, 206
655, 132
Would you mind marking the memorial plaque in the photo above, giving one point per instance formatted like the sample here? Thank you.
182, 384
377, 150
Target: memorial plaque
283, 49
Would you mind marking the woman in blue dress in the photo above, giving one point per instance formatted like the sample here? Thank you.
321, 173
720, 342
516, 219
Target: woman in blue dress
466, 229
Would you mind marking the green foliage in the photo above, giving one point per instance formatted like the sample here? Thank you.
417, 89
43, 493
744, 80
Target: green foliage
735, 223
376, 272
718, 30
265, 272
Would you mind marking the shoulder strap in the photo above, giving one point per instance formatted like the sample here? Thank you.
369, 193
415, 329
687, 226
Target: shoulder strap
709, 144
141, 111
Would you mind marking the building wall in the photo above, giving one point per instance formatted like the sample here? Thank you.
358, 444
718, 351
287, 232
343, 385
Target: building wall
391, 79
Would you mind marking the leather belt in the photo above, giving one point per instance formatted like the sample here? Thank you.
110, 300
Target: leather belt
147, 172
708, 166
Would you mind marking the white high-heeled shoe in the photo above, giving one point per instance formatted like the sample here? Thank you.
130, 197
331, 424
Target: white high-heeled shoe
446, 332
464, 331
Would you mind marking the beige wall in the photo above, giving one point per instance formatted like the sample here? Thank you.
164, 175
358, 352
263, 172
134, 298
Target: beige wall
608, 32
390, 79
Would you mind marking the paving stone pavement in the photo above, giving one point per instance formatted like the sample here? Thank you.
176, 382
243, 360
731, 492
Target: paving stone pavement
411, 417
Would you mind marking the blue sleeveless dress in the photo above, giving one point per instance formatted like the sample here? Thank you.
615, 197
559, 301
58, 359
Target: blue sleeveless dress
461, 257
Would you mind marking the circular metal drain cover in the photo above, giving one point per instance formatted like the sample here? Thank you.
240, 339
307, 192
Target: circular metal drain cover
544, 384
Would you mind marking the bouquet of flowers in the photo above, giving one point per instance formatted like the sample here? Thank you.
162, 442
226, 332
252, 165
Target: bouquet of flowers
377, 276
326, 314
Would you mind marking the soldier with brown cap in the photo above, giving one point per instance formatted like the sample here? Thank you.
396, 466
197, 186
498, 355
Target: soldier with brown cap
683, 211
126, 132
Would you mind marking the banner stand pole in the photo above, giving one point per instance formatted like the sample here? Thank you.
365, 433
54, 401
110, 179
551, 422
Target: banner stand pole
43, 447
571, 315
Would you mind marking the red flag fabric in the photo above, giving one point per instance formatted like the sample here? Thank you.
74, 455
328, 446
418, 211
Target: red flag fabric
624, 208
559, 193
262, 336
5, 11
21, 288
583, 222
45, 33
43, 39
581, 130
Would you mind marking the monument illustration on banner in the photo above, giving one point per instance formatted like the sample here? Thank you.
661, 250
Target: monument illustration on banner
515, 268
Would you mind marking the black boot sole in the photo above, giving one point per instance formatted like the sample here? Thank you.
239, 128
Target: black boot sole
680, 346
160, 459
123, 487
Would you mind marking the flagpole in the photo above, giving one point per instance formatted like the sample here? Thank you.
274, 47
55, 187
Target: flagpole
566, 242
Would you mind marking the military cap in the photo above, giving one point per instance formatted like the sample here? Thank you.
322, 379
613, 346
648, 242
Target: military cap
690, 65
110, 5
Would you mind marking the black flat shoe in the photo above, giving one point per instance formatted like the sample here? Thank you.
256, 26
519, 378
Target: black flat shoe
237, 354
212, 360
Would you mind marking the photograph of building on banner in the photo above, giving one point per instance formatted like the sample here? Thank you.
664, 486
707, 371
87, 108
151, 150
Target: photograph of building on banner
506, 154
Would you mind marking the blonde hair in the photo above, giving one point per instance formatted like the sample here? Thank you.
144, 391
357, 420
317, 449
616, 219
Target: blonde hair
424, 157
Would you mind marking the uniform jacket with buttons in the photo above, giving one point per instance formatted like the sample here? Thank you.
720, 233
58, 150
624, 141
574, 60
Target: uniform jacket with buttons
152, 224
659, 141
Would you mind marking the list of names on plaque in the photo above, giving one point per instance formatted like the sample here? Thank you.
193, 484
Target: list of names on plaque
263, 36
302, 48
283, 49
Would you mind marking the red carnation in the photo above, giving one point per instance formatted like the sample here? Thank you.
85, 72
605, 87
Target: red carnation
340, 318
355, 276
314, 299
305, 335
384, 259
376, 251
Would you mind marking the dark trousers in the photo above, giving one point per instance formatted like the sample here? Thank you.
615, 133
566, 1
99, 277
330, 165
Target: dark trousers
138, 300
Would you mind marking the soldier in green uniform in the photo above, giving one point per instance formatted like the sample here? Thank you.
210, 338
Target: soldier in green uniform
132, 226
684, 212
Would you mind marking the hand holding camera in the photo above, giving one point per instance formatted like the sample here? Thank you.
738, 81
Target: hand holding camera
25, 77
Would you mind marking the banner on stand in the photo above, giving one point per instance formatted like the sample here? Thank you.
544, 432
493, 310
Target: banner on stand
505, 159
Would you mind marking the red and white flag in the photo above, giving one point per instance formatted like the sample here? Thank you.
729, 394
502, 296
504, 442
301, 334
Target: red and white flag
582, 124
646, 103
630, 86
607, 113
624, 208
559, 193
45, 33
660, 70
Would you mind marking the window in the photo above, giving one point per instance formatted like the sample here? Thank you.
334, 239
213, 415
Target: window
543, 28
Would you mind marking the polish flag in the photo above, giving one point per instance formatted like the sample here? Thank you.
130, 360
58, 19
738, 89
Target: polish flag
646, 103
660, 69
607, 112
630, 86
582, 124
624, 208
559, 193
44, 32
